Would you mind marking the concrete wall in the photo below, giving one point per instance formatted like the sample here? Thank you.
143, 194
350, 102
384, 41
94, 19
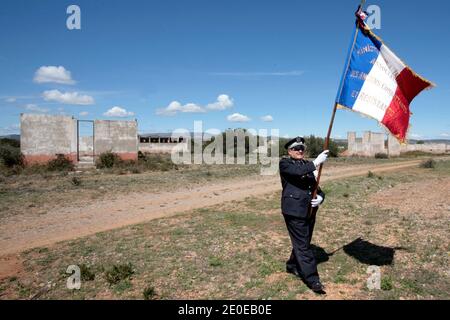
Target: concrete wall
397, 149
377, 143
162, 147
393, 146
351, 140
44, 136
437, 148
116, 136
373, 143
370, 144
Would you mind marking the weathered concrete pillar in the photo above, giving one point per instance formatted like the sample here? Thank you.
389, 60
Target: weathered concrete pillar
42, 137
393, 146
366, 139
377, 143
119, 137
351, 140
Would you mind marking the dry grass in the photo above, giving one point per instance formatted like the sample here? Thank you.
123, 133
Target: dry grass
237, 250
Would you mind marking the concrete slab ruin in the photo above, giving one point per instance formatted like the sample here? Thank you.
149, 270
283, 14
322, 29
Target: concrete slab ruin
162, 143
372, 143
119, 137
43, 137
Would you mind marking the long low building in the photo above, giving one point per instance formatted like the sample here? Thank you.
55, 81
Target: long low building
162, 143
372, 143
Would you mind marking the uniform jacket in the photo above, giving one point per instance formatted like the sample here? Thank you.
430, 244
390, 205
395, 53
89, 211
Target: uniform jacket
298, 181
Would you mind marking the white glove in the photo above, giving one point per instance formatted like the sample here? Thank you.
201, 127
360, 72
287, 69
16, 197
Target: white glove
321, 158
317, 201
316, 173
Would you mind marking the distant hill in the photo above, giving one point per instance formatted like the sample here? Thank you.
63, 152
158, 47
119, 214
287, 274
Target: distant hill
446, 141
11, 136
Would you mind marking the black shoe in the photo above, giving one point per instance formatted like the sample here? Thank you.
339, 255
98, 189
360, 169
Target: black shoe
292, 270
317, 287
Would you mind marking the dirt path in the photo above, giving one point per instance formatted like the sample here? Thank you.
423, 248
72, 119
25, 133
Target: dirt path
24, 231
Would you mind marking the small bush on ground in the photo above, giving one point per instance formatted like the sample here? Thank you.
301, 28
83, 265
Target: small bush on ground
108, 160
10, 156
10, 142
87, 273
118, 273
76, 181
149, 293
430, 163
60, 163
381, 155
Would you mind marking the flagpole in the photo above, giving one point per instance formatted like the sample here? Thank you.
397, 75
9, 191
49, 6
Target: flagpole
311, 212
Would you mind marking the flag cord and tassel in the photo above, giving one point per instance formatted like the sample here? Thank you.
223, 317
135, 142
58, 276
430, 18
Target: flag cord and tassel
312, 211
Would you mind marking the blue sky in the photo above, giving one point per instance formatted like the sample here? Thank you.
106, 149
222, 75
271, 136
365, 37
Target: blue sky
277, 58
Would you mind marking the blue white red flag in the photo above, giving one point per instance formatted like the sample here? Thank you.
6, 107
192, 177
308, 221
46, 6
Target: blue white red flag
377, 83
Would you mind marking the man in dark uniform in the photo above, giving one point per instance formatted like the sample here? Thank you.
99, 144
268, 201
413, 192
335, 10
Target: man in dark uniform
298, 182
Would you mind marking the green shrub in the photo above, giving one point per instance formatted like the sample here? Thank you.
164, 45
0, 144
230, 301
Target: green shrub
386, 284
87, 273
141, 155
370, 174
60, 163
10, 156
149, 293
381, 155
430, 163
118, 273
314, 146
76, 181
10, 142
108, 160
215, 261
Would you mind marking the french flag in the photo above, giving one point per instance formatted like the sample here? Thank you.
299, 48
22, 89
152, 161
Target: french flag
378, 84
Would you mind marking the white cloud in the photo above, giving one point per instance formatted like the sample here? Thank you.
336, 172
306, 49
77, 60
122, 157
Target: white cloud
10, 99
223, 102
237, 117
53, 74
267, 118
35, 108
415, 136
118, 112
67, 97
84, 113
175, 107
445, 135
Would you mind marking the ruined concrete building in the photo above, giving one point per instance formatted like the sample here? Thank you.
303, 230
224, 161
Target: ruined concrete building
162, 143
42, 137
372, 143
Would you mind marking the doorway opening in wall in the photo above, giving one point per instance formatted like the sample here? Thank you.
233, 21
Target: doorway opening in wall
85, 141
